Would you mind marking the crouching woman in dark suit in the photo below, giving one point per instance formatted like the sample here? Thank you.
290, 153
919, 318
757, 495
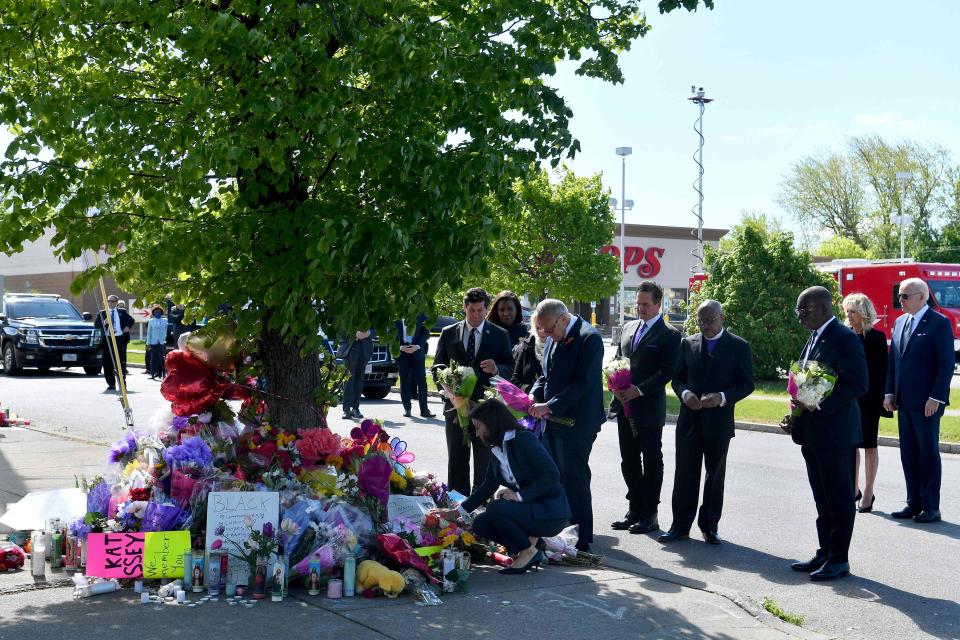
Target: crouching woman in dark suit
532, 503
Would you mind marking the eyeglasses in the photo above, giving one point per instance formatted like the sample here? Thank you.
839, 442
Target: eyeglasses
707, 321
549, 329
906, 296
802, 312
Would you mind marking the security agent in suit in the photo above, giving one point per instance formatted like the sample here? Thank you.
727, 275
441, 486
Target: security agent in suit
121, 322
918, 388
715, 372
412, 364
532, 503
653, 348
571, 387
828, 435
355, 353
476, 343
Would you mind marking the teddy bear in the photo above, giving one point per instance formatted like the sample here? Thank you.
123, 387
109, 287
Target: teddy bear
371, 573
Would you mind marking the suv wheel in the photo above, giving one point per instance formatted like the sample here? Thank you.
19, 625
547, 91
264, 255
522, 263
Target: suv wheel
376, 393
92, 371
10, 366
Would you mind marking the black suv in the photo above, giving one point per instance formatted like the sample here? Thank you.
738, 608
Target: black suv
44, 331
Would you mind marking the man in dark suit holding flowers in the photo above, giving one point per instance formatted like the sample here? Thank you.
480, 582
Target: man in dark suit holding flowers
485, 347
829, 433
571, 387
653, 348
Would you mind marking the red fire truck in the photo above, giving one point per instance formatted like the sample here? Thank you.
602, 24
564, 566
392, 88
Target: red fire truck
880, 281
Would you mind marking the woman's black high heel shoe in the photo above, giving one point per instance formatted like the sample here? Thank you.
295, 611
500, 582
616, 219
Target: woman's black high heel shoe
869, 507
534, 564
857, 497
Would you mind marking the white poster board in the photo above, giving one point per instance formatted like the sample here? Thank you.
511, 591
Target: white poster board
228, 509
413, 507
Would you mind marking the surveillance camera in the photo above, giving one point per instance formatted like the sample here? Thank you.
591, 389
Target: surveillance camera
693, 89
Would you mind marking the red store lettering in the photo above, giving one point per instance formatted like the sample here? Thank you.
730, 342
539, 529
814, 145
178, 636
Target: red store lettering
647, 262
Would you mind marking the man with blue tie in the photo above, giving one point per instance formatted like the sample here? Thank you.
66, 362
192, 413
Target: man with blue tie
571, 387
918, 388
653, 348
412, 364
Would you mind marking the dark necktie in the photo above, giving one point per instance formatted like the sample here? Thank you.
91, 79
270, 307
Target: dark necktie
905, 335
472, 345
809, 347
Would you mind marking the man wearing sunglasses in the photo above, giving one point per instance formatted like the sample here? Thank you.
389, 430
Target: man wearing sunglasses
829, 434
918, 388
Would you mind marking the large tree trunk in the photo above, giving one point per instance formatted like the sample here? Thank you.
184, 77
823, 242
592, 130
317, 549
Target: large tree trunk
291, 381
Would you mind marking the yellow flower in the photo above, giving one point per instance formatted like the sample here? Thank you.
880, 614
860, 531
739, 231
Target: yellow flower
130, 468
467, 538
449, 540
408, 473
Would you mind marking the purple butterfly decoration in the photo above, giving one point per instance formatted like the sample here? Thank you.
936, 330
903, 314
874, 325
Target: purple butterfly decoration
400, 453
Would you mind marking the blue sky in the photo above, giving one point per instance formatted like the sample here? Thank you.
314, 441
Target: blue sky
789, 79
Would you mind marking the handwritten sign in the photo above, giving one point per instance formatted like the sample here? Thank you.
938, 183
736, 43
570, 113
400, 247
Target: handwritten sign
226, 511
115, 555
163, 553
413, 507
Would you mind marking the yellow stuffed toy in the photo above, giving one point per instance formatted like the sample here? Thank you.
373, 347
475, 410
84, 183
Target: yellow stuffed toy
371, 573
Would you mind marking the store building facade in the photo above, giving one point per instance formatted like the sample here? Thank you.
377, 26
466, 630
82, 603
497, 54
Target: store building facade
663, 254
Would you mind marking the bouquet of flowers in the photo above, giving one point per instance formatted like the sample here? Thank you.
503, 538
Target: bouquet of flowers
616, 377
457, 384
518, 402
808, 384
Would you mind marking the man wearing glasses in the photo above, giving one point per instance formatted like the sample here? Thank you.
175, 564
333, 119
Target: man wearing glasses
715, 372
829, 434
918, 388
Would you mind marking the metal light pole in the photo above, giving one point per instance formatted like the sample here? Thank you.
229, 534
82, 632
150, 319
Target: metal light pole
623, 152
699, 97
903, 177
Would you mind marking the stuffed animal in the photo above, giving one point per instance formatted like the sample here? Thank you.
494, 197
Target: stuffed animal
371, 573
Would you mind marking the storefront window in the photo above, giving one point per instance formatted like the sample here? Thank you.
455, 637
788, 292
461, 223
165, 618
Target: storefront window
673, 300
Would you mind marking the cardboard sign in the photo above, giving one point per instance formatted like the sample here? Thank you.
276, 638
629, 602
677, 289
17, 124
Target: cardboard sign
413, 507
227, 509
115, 555
163, 553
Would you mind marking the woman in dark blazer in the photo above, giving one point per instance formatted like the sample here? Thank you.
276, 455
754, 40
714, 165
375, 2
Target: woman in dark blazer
528, 365
507, 313
531, 504
861, 316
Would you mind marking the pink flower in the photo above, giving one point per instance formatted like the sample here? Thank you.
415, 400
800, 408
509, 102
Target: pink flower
216, 544
318, 444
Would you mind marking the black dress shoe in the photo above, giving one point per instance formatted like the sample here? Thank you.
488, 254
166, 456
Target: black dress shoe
628, 521
907, 512
925, 517
645, 525
831, 571
711, 537
427, 414
672, 536
812, 564
868, 508
406, 413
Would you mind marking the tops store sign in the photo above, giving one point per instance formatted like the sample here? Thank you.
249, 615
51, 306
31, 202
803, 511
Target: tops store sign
646, 261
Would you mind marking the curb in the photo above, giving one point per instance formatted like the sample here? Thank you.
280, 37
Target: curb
742, 601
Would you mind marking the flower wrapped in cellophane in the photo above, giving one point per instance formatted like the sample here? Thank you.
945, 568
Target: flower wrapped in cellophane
519, 402
808, 384
457, 383
616, 377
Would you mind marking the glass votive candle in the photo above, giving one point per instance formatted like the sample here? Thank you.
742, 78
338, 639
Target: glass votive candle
231, 589
181, 596
335, 588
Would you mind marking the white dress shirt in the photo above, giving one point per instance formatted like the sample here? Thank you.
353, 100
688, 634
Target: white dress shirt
476, 340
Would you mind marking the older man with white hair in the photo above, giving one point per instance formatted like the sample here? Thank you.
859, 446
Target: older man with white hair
918, 388
571, 387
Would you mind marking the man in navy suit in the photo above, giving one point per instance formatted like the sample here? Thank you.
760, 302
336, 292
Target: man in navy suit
485, 347
653, 348
918, 388
571, 387
355, 353
829, 434
412, 364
